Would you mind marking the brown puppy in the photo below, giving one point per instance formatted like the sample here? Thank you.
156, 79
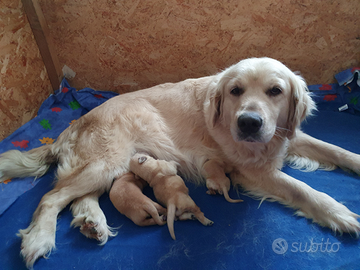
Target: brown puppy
216, 180
169, 189
127, 197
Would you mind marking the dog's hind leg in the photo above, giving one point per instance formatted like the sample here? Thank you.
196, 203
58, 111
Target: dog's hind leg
39, 238
90, 218
308, 153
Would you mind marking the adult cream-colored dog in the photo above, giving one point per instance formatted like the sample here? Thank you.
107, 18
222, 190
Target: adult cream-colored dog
243, 121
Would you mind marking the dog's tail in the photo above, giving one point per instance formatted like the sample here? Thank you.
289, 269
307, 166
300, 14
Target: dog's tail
170, 219
35, 162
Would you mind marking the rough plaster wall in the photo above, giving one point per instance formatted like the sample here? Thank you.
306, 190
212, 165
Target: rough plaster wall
24, 84
128, 45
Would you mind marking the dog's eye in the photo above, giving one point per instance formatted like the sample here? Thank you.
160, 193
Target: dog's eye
237, 91
274, 91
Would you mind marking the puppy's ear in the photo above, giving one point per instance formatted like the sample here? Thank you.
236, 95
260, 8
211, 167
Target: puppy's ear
301, 104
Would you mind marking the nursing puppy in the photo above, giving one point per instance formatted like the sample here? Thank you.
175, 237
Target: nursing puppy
244, 120
216, 180
127, 197
169, 189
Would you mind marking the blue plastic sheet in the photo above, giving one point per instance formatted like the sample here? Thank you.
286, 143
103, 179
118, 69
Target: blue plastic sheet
244, 235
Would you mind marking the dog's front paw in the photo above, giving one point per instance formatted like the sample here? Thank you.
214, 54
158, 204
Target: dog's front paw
330, 213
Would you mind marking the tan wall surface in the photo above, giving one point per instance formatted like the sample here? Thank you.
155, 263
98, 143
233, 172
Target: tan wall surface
24, 84
128, 45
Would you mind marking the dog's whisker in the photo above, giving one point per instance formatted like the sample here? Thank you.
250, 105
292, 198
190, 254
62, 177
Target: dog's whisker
280, 128
279, 132
279, 136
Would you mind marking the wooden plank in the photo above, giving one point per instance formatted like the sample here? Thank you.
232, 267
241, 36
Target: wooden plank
42, 36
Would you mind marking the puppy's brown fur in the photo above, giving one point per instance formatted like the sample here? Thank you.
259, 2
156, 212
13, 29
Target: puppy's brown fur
127, 197
169, 189
216, 180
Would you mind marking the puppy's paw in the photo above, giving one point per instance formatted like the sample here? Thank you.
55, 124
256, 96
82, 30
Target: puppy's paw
208, 222
198, 216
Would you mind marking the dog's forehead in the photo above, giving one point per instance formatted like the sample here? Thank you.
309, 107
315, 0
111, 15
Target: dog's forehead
258, 75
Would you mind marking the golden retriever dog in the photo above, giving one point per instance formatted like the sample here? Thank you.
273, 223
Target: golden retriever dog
127, 197
244, 120
169, 189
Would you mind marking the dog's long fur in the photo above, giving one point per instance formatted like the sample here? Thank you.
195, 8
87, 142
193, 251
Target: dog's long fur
191, 122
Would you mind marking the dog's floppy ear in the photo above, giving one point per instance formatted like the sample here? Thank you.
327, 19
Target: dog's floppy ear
216, 105
301, 104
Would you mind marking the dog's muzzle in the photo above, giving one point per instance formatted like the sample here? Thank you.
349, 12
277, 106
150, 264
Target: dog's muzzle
249, 124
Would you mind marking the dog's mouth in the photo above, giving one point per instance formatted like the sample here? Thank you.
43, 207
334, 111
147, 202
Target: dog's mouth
253, 138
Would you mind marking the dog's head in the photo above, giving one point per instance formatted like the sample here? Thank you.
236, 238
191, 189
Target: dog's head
259, 98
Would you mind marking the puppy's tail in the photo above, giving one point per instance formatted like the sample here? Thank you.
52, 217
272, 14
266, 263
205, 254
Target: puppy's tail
35, 162
170, 219
227, 197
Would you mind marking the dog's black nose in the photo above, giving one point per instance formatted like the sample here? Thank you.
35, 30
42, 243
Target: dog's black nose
249, 123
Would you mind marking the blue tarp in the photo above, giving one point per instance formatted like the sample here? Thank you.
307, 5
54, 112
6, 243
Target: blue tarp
243, 235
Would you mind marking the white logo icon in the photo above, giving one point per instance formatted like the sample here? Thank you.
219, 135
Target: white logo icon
280, 246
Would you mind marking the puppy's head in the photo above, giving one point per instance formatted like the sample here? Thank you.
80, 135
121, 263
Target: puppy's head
168, 167
257, 99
